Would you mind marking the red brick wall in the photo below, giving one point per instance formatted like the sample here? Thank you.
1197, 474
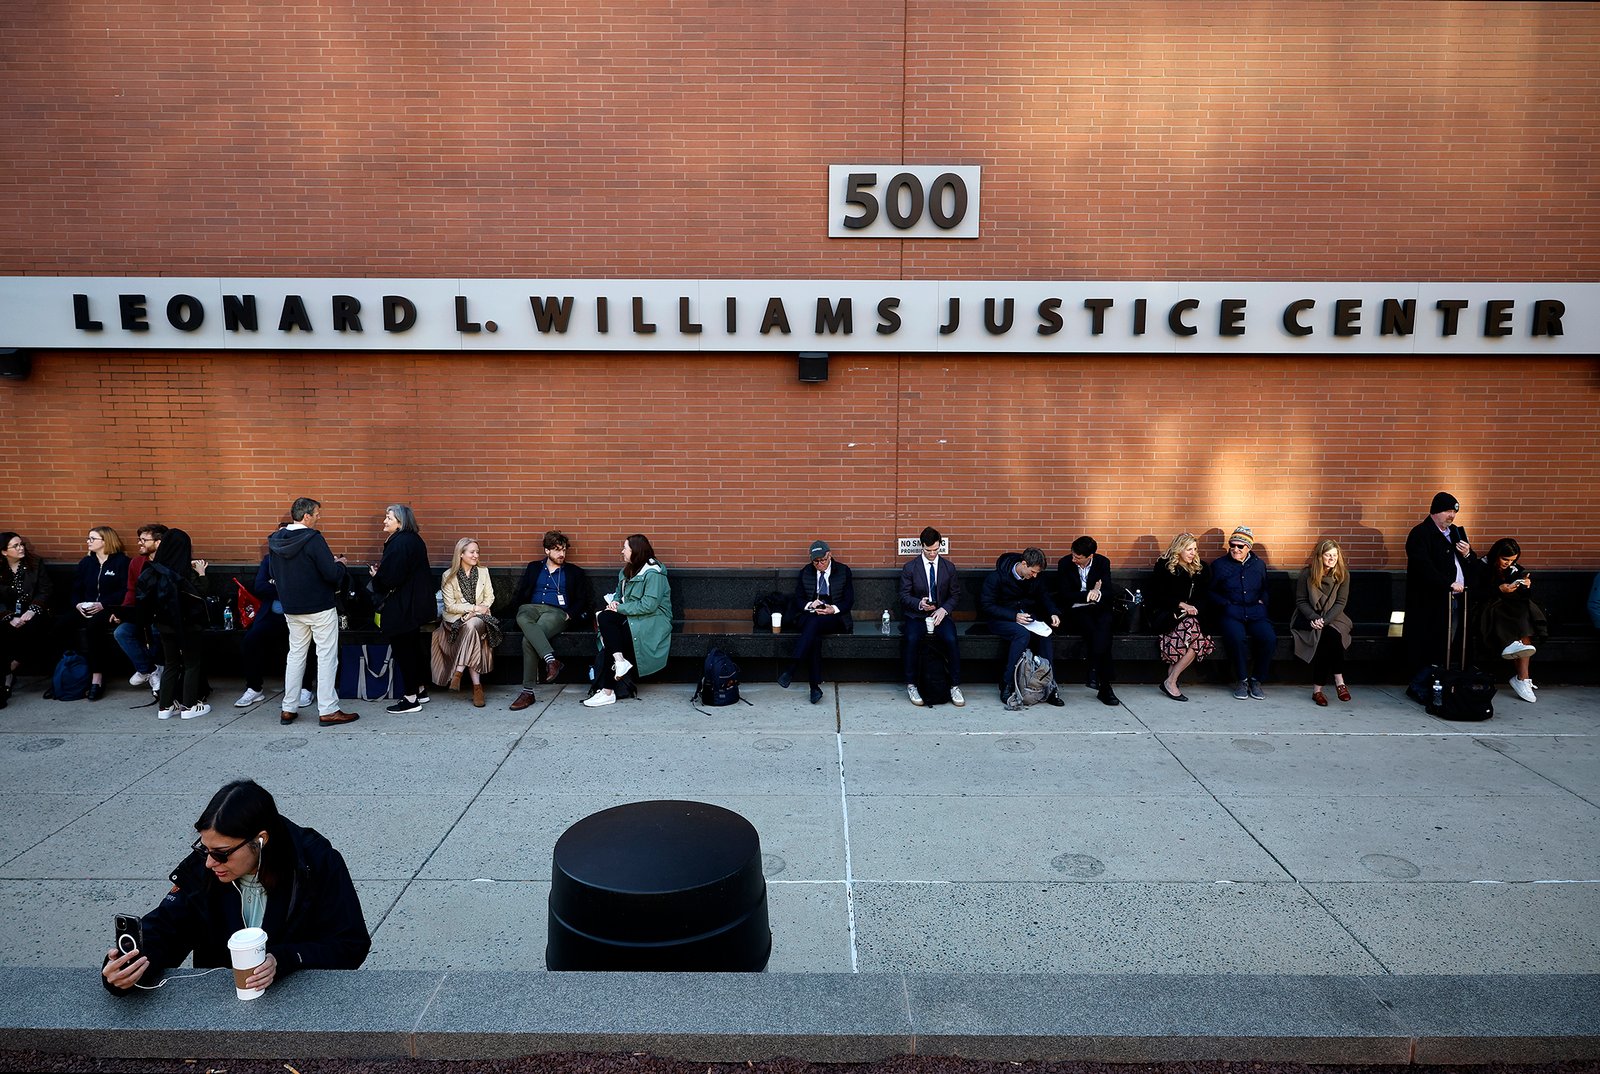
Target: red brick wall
1119, 141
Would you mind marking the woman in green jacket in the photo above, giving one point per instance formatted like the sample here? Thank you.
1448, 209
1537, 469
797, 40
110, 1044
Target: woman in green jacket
635, 627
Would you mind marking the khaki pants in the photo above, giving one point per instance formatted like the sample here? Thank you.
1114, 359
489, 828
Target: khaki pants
538, 623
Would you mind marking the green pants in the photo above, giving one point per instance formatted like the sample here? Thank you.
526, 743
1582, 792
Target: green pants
538, 623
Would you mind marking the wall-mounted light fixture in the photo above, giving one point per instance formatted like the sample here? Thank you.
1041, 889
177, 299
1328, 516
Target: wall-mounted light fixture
17, 364
813, 367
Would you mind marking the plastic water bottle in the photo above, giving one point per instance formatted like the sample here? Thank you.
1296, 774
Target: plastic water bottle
1138, 596
883, 624
1438, 692
227, 619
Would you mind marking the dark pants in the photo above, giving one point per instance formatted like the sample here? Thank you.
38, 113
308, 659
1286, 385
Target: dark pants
265, 639
615, 637
808, 648
945, 634
1093, 625
1328, 660
21, 643
95, 640
411, 654
180, 653
1263, 641
1019, 639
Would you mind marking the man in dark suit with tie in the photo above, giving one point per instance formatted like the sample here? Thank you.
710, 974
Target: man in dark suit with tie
929, 590
824, 592
1083, 581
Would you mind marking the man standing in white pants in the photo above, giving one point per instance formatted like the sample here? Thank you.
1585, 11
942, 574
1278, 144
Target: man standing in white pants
307, 575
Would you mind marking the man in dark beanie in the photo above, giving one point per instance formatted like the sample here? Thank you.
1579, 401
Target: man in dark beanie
1439, 570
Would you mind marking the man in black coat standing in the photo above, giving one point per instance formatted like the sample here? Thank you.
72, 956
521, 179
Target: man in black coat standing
1440, 569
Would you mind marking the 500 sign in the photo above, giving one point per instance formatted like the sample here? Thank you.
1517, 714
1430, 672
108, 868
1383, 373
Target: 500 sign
903, 201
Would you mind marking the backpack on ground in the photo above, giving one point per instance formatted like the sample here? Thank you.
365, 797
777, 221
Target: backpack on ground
70, 680
368, 673
719, 682
933, 676
1463, 693
1032, 680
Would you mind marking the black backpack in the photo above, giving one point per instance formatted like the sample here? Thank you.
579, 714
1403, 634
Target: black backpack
719, 682
933, 678
761, 615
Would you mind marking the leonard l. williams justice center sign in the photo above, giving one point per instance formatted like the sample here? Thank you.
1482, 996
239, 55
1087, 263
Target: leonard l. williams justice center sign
840, 316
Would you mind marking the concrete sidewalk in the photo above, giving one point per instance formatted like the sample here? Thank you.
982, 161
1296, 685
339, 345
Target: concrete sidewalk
1219, 837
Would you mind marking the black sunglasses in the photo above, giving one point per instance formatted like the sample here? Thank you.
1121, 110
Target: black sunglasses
217, 855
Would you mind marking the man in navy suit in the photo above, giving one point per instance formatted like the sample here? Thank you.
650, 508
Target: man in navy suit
824, 592
929, 590
1083, 581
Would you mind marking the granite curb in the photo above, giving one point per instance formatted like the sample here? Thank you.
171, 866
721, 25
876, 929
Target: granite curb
820, 1017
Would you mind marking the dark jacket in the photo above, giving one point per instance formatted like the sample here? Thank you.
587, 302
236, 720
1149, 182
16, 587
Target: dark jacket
105, 585
405, 582
168, 594
1431, 560
1004, 595
841, 592
575, 581
1167, 588
1070, 591
914, 586
304, 570
1240, 589
313, 920
28, 588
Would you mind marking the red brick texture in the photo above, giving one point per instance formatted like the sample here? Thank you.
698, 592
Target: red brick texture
1303, 141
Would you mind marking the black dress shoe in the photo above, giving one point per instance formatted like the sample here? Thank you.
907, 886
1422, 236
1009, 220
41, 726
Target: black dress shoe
816, 695
97, 690
1055, 699
1107, 697
785, 679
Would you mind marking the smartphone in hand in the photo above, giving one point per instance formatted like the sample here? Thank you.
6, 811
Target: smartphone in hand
130, 933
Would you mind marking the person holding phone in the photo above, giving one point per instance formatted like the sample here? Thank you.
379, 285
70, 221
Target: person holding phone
249, 868
1439, 570
1509, 622
634, 627
825, 593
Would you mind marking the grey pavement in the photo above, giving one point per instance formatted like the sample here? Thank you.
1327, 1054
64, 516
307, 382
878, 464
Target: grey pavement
1154, 841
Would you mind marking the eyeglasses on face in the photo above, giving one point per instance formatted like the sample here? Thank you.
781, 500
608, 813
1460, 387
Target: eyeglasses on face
215, 854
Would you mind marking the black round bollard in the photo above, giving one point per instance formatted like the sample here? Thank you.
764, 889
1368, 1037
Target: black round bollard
659, 886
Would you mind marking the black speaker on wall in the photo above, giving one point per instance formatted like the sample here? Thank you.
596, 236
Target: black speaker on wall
15, 364
813, 367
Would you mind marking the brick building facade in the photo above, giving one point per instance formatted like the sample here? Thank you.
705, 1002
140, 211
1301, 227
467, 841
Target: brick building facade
1119, 141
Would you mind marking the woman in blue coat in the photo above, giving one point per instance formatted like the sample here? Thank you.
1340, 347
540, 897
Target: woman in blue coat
1239, 589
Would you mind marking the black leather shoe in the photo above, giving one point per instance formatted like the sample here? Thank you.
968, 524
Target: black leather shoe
1107, 697
816, 695
785, 679
1055, 699
97, 690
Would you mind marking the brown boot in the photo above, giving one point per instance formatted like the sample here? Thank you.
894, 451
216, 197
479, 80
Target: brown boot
455, 680
477, 695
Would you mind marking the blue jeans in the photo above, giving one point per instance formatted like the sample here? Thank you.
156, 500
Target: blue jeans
131, 637
916, 633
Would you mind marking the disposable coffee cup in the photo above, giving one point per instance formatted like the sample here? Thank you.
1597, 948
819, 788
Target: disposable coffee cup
928, 624
777, 622
248, 949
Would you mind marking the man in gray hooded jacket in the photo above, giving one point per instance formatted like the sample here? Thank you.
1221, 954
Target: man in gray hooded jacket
307, 575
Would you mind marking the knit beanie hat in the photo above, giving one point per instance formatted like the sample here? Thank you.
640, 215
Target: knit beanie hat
1443, 501
1242, 533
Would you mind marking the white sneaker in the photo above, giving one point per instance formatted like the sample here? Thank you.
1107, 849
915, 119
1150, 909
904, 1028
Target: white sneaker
199, 710
622, 666
601, 697
305, 698
139, 678
1523, 688
1516, 649
166, 714
155, 679
914, 694
955, 697
248, 698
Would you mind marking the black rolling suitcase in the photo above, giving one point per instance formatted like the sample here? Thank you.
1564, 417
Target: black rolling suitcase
1460, 693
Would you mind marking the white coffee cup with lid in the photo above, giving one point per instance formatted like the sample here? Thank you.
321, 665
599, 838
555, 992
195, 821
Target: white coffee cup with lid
248, 949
